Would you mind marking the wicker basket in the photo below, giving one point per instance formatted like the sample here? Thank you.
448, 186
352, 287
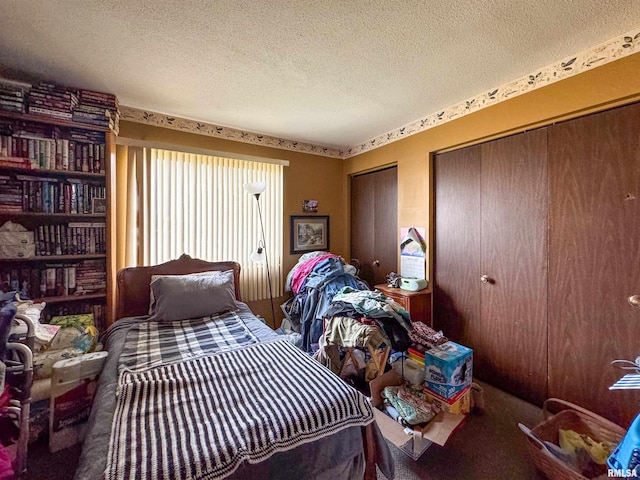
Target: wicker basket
560, 414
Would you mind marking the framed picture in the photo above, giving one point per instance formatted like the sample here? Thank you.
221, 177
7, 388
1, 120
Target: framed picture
309, 233
99, 205
310, 206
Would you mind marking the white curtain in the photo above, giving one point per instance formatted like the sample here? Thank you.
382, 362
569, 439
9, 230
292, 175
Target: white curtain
196, 204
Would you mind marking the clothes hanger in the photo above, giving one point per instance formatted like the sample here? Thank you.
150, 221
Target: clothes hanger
628, 364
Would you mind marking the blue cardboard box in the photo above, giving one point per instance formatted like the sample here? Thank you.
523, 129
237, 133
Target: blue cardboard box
448, 369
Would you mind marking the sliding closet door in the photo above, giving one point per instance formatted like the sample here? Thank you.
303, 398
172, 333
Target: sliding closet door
512, 353
491, 258
594, 258
456, 290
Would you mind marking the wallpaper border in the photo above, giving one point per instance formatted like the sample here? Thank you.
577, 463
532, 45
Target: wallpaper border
614, 49
192, 126
599, 55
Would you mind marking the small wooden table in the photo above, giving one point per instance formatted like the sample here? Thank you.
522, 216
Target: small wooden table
418, 304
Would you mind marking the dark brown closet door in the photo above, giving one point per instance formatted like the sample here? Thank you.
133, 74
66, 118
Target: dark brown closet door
374, 224
594, 259
511, 339
456, 289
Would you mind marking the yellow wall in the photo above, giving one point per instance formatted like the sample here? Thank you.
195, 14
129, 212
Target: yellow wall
307, 177
613, 84
327, 179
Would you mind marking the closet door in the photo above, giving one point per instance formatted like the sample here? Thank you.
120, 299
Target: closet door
594, 259
511, 338
490, 263
456, 289
374, 224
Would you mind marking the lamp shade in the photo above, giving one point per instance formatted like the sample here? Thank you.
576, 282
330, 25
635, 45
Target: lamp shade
255, 188
258, 256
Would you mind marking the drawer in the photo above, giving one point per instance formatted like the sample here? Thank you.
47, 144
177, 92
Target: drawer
402, 300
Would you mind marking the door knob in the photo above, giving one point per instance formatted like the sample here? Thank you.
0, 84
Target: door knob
634, 301
376, 263
485, 279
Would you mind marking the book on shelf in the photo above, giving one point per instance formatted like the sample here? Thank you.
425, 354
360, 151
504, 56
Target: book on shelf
32, 148
58, 279
62, 115
52, 195
38, 151
71, 239
50, 276
13, 95
48, 99
5, 162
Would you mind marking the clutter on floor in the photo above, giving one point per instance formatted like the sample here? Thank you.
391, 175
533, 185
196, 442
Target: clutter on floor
572, 442
60, 350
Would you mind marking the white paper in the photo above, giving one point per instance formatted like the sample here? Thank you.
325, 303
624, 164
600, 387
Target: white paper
413, 252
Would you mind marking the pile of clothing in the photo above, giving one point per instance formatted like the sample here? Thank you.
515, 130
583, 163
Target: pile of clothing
361, 329
314, 281
376, 306
348, 333
408, 406
425, 338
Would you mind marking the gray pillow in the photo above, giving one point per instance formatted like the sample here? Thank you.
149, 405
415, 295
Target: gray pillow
152, 300
178, 297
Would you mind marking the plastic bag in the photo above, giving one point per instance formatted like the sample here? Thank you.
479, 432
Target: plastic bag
412, 409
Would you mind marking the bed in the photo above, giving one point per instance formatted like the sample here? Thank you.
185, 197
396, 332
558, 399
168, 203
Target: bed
241, 406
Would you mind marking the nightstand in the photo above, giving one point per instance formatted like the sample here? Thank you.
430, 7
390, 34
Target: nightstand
418, 304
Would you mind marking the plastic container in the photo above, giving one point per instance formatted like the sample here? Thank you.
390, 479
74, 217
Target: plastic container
411, 371
73, 385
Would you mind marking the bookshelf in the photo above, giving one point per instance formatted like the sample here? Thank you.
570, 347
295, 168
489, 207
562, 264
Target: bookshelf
56, 178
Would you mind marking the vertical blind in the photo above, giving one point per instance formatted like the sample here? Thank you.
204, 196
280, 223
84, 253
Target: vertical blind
196, 204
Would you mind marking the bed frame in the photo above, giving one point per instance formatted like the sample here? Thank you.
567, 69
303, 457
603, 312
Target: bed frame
132, 283
133, 296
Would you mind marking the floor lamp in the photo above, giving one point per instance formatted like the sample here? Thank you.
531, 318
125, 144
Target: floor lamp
260, 254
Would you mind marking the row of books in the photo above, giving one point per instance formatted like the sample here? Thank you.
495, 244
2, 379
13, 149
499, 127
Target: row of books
55, 280
50, 99
61, 102
52, 154
26, 193
91, 277
13, 96
76, 238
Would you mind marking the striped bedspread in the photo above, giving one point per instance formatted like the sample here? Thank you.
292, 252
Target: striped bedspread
200, 419
153, 343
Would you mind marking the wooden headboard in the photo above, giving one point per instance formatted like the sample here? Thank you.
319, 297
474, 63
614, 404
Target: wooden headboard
132, 283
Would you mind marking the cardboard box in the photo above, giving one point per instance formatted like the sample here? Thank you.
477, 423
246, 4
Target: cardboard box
414, 442
448, 369
460, 403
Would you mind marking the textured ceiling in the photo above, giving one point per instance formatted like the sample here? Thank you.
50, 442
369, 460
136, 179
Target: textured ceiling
329, 72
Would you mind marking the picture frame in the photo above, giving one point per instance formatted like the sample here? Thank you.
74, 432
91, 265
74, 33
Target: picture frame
98, 205
310, 206
309, 233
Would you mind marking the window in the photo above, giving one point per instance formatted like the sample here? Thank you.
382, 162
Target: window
196, 204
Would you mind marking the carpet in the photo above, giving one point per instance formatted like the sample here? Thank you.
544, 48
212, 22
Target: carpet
489, 446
